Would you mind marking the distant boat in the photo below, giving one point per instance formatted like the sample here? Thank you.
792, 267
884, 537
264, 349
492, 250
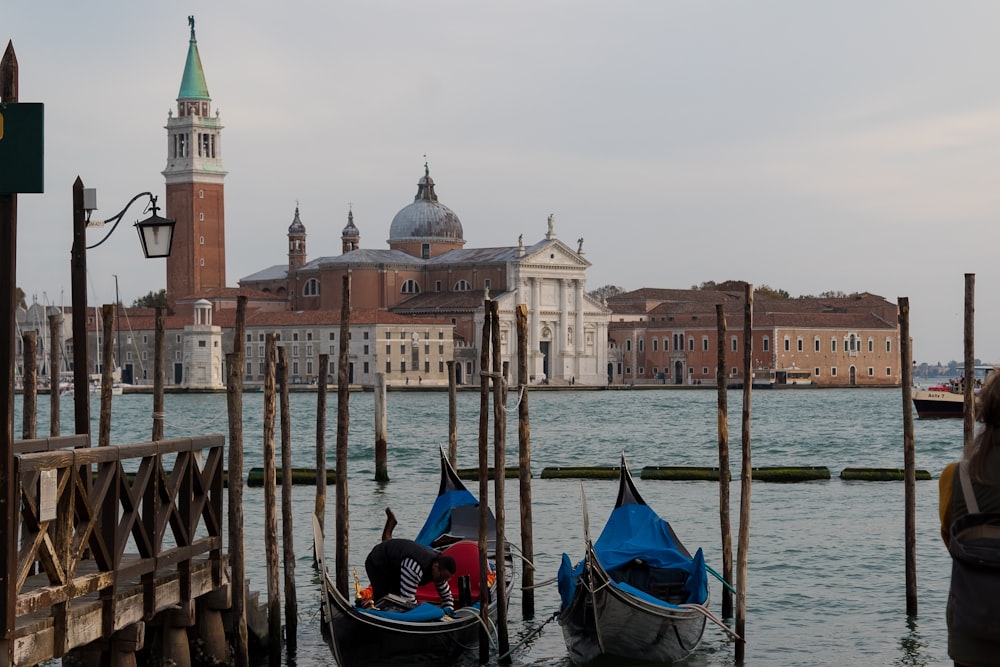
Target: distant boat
946, 399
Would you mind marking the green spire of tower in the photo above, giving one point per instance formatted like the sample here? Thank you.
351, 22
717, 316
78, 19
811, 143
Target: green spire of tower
193, 86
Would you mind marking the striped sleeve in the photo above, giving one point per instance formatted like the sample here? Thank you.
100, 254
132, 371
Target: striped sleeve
410, 574
444, 590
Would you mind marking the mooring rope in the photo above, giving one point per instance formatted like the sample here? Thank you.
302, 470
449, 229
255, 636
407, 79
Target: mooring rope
712, 617
528, 636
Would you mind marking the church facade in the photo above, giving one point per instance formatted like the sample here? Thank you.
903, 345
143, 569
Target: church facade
427, 272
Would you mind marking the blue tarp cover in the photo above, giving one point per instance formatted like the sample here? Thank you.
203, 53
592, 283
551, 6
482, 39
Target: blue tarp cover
636, 532
439, 519
425, 611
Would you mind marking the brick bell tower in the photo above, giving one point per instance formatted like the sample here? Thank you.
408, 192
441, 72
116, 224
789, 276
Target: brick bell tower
194, 176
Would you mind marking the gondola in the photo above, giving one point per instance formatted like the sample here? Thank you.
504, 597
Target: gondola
638, 594
394, 633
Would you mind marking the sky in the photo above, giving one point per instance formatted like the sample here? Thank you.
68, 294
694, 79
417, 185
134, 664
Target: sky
811, 147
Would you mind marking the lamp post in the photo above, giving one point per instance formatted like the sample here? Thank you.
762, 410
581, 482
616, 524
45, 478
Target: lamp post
156, 235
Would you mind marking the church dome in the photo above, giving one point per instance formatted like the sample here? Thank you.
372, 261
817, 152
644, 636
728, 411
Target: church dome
426, 218
297, 227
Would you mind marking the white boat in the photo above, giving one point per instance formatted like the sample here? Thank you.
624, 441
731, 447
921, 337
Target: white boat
947, 399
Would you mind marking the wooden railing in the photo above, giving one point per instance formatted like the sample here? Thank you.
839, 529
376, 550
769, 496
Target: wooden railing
93, 519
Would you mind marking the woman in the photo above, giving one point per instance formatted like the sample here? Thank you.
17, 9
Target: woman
978, 646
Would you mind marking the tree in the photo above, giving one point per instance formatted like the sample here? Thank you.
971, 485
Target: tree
606, 292
151, 300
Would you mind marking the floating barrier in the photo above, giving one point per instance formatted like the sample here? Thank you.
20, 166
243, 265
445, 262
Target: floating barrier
300, 476
790, 474
681, 473
581, 472
880, 474
510, 472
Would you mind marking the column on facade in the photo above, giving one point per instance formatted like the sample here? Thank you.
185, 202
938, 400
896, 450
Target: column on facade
563, 346
578, 340
535, 326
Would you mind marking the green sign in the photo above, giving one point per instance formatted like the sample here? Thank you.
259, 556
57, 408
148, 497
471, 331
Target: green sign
22, 147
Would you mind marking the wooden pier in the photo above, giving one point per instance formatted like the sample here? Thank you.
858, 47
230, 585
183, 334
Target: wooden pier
115, 542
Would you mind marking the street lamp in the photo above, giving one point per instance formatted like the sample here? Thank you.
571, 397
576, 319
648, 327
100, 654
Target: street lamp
156, 236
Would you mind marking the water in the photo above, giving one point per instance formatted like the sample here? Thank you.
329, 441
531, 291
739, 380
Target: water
826, 573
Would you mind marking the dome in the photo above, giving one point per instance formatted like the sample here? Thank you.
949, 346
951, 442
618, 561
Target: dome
296, 227
426, 218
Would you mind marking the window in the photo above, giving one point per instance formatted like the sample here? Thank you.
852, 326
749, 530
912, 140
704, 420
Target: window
799, 341
468, 369
425, 250
309, 335
833, 346
332, 334
295, 350
437, 285
201, 194
628, 345
704, 370
309, 350
128, 356
178, 338
486, 283
655, 341
295, 368
833, 372
888, 345
249, 351
787, 344
871, 372
704, 343
388, 367
871, 344
366, 349
642, 344
295, 335
816, 344
402, 367
691, 344
427, 366
440, 367
201, 262
366, 367
249, 368
311, 288
145, 339
888, 371
402, 348
462, 286
144, 355
734, 344
388, 348
201, 240
766, 343
816, 371
201, 343
309, 367
440, 349
410, 287
365, 336
201, 217
260, 350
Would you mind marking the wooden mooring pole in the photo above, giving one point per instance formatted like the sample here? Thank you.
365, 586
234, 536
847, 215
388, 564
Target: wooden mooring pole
381, 453
969, 423
107, 366
342, 547
452, 414
909, 458
484, 425
9, 491
55, 373
234, 481
743, 547
320, 509
725, 524
287, 529
499, 479
29, 399
159, 340
271, 507
524, 467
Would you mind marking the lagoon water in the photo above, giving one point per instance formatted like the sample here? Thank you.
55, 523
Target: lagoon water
826, 574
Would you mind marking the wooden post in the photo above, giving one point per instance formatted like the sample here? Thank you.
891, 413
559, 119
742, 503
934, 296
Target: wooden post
78, 279
29, 399
499, 480
723, 428
743, 546
909, 457
969, 423
287, 533
484, 425
107, 366
234, 482
159, 339
320, 510
524, 466
9, 491
342, 547
452, 414
271, 508
55, 374
381, 466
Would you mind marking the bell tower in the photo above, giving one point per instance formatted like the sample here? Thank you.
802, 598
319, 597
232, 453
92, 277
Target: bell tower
194, 179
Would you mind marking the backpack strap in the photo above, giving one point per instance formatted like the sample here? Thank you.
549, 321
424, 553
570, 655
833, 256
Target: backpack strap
967, 491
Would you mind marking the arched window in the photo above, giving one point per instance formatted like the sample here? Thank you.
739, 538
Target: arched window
410, 287
462, 286
311, 288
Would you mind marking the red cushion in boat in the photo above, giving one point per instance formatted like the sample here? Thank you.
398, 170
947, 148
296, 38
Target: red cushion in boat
466, 555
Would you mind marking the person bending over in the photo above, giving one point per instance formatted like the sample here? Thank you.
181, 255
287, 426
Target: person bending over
399, 567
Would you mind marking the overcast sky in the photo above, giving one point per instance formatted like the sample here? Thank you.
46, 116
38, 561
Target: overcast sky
848, 146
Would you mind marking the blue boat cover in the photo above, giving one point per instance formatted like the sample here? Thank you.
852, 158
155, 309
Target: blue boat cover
425, 611
439, 520
636, 532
